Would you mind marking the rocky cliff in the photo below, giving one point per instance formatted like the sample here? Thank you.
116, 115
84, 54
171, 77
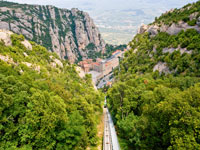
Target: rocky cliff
169, 45
175, 20
72, 34
172, 29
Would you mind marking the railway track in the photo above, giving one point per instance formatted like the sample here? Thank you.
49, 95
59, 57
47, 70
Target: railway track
110, 141
107, 143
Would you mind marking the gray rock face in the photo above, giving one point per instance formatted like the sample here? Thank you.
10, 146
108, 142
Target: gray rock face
5, 37
143, 28
176, 28
198, 21
161, 67
4, 25
182, 50
193, 15
153, 30
66, 32
172, 30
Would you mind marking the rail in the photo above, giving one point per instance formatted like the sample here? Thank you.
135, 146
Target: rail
110, 141
107, 143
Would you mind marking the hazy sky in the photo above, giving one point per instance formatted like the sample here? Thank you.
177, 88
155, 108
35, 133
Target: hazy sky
107, 4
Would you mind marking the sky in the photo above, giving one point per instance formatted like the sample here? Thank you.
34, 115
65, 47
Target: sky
118, 20
107, 4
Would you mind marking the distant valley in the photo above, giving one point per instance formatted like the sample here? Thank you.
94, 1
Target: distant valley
119, 24
118, 20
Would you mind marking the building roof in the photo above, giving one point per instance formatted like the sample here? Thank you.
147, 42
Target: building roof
86, 65
87, 59
83, 62
117, 51
109, 83
108, 63
96, 63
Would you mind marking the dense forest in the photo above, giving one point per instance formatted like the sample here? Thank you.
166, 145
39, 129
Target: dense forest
156, 98
44, 104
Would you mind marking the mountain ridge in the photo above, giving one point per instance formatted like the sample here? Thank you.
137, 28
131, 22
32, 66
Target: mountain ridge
72, 34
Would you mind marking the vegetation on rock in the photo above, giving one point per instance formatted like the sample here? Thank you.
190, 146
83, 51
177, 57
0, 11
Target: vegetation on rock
189, 13
180, 52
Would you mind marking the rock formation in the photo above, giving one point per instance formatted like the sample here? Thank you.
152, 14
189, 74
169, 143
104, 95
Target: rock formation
198, 21
5, 36
173, 26
172, 29
69, 33
161, 68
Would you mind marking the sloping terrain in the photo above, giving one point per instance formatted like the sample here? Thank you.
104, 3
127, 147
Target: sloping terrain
44, 104
155, 100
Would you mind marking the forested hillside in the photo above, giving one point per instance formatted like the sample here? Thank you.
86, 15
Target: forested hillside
156, 98
44, 104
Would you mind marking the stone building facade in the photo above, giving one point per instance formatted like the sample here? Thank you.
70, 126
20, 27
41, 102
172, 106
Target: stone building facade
102, 66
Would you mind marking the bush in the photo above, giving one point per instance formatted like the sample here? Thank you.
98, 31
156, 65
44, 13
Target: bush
192, 22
